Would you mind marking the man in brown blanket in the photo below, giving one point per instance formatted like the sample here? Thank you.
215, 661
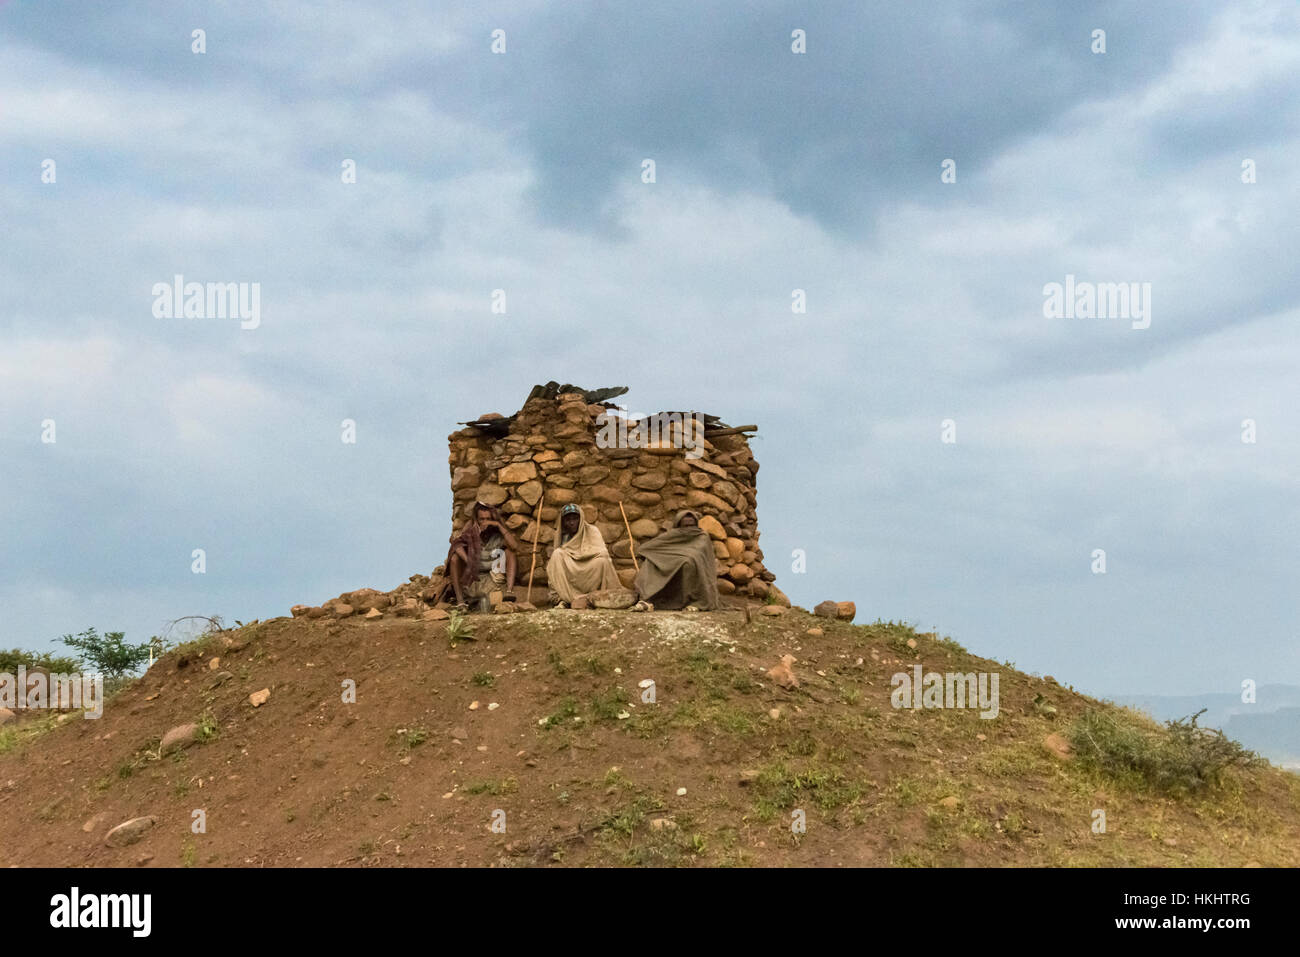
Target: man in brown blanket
678, 568
475, 551
580, 563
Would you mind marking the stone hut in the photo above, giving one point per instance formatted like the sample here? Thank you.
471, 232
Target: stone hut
628, 474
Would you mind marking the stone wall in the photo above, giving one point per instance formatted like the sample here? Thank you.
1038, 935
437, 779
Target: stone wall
549, 456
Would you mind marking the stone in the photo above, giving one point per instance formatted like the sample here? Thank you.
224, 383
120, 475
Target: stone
681, 792
128, 832
317, 612
911, 643
648, 499
561, 481
815, 633
758, 589
373, 613
541, 458
663, 824
827, 609
299, 610
774, 611
435, 614
179, 738
726, 587
214, 664
613, 598
517, 472
650, 481
259, 698
560, 496
492, 494
626, 576
720, 553
697, 499
1059, 747
580, 603
951, 801
845, 610
735, 548
713, 527
709, 467
343, 610
644, 528
700, 480
782, 674
592, 474
468, 477
606, 493
741, 574
459, 734
530, 492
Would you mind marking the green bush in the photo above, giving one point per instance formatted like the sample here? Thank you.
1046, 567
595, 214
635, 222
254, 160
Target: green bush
109, 654
1178, 758
11, 659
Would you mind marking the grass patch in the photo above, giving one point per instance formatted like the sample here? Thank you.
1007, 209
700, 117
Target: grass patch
484, 679
504, 786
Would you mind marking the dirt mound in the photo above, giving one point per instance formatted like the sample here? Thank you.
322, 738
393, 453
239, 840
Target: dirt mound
593, 737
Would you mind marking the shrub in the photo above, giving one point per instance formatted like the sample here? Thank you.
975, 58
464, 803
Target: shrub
1178, 758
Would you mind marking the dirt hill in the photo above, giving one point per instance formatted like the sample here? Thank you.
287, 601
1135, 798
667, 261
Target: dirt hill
584, 770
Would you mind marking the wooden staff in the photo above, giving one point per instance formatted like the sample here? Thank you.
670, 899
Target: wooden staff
631, 540
537, 530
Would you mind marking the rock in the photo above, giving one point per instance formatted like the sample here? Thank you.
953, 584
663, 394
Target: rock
435, 614
592, 474
773, 611
459, 734
663, 824
467, 477
650, 481
709, 467
517, 472
6, 716
697, 499
128, 832
220, 678
846, 610
316, 612
343, 609
492, 705
525, 606
681, 792
782, 598
530, 492
492, 494
713, 527
734, 548
814, 632
774, 714
1058, 746
606, 494
726, 587
644, 528
741, 574
560, 496
827, 609
179, 738
613, 598
473, 706
299, 610
504, 608
626, 576
373, 613
700, 480
950, 801
214, 664
580, 603
782, 673
981, 737
259, 698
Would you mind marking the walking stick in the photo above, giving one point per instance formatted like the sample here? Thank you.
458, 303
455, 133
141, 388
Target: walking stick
631, 540
537, 531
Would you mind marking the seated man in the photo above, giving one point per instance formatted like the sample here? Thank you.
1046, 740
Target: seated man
482, 555
580, 563
678, 568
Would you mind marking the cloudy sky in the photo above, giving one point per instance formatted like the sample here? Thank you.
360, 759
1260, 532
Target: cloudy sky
775, 171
